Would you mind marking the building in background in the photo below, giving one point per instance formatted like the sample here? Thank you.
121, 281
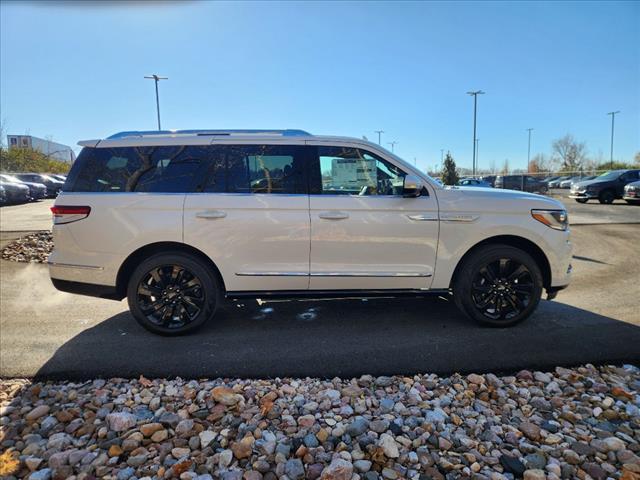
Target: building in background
51, 149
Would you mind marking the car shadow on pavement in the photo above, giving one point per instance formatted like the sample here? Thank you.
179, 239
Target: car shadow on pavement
345, 338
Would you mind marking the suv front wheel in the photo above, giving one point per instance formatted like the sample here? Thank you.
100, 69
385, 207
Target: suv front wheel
172, 293
498, 286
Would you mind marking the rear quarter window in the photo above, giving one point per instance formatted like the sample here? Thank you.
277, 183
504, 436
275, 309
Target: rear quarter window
162, 169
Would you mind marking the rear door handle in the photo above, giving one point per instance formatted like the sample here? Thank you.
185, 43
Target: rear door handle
333, 215
211, 214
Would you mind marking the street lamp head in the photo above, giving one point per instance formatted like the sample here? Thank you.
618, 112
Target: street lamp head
613, 113
156, 77
477, 92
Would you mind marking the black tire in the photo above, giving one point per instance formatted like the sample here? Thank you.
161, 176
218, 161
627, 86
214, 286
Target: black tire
607, 197
472, 286
173, 293
582, 200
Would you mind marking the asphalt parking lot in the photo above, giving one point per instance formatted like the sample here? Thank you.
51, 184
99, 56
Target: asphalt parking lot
51, 334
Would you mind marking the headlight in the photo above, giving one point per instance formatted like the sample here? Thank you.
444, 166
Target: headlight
556, 219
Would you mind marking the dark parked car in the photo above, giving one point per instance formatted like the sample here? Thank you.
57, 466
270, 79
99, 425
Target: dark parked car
490, 179
37, 191
514, 182
3, 196
15, 192
473, 182
632, 193
556, 183
606, 187
58, 176
53, 186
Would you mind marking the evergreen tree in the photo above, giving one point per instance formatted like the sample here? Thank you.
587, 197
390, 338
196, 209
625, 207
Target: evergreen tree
449, 171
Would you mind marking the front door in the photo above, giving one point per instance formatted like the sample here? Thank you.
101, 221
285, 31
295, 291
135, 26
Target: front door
252, 217
364, 234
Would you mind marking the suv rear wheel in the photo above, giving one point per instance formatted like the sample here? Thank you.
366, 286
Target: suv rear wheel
172, 293
606, 196
498, 286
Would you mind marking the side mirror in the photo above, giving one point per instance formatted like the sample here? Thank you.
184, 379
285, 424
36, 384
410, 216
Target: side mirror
412, 186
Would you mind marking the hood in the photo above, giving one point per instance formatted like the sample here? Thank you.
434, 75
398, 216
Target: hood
15, 186
481, 198
586, 183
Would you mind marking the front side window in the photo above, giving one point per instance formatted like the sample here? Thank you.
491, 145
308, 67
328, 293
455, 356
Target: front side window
353, 171
271, 169
161, 169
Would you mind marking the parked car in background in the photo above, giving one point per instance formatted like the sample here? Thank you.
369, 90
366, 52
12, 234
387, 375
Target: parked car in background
490, 179
3, 195
632, 193
514, 182
606, 187
58, 176
204, 215
37, 191
53, 186
15, 192
473, 182
567, 183
556, 183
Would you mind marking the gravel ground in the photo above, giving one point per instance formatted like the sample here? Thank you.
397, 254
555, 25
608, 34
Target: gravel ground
34, 247
572, 423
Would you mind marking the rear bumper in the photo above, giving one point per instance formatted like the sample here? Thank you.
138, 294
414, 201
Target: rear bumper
88, 289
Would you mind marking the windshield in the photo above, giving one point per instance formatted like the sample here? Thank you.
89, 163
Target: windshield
610, 175
11, 178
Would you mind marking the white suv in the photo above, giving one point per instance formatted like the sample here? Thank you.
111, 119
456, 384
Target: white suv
178, 220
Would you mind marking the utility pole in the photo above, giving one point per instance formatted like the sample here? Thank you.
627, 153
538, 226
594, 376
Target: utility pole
379, 132
475, 94
393, 144
477, 153
613, 117
157, 78
529, 151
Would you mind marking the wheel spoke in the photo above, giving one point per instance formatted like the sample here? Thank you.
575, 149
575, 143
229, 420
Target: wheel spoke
157, 277
517, 273
149, 290
502, 269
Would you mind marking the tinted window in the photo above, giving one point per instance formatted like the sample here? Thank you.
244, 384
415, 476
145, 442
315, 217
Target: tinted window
256, 169
137, 169
352, 171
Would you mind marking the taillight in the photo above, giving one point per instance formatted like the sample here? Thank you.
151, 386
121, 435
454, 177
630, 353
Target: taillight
67, 213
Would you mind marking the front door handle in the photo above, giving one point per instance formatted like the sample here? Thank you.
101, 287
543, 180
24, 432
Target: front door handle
333, 215
211, 214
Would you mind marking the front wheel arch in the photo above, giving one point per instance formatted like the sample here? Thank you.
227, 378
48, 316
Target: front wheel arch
139, 255
513, 241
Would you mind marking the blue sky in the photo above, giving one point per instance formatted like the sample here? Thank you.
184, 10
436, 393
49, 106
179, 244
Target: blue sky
75, 71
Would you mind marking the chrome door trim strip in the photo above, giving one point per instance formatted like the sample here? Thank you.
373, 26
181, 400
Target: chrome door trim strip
369, 274
333, 274
272, 274
71, 265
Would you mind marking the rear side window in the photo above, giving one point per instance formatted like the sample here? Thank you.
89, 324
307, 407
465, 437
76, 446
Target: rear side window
168, 169
274, 169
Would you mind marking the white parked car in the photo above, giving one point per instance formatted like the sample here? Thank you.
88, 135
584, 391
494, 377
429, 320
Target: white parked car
177, 221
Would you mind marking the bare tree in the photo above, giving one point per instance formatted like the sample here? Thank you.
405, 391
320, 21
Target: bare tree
492, 167
570, 152
505, 167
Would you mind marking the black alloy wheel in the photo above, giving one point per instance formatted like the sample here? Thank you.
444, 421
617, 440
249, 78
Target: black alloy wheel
498, 285
171, 294
502, 289
582, 200
606, 197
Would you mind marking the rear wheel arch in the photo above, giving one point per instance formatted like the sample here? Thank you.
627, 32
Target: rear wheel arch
139, 255
515, 241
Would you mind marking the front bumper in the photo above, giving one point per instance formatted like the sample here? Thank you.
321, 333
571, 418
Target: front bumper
583, 195
631, 195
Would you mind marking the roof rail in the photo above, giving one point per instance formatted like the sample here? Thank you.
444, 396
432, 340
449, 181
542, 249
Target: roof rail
151, 133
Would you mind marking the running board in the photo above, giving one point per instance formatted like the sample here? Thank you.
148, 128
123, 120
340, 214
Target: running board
312, 294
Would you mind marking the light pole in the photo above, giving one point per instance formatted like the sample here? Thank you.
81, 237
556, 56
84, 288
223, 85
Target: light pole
613, 117
157, 78
379, 132
529, 150
393, 144
475, 108
477, 152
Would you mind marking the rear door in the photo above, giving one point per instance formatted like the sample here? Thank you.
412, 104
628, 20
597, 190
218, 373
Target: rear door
251, 216
364, 233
